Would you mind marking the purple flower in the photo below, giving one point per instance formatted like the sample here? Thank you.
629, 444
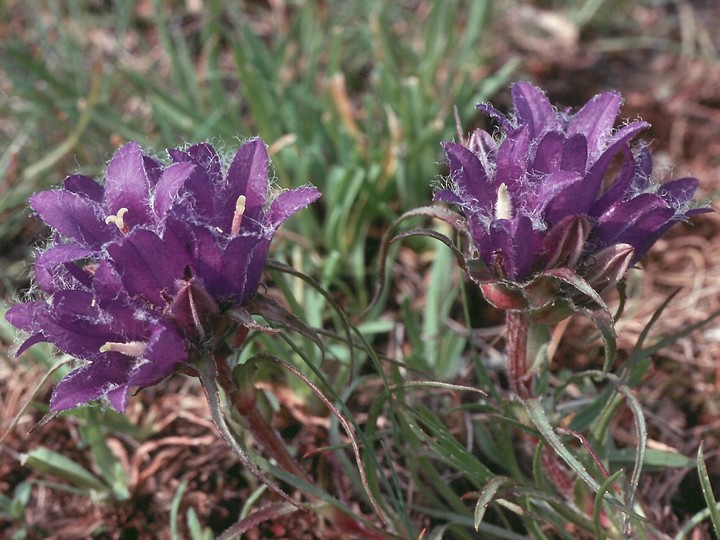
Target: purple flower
561, 190
87, 216
144, 268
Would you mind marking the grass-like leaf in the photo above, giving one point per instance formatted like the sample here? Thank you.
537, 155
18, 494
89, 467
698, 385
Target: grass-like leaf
486, 496
707, 490
47, 461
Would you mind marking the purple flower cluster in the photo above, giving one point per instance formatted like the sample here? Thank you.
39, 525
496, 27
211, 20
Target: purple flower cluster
141, 268
557, 189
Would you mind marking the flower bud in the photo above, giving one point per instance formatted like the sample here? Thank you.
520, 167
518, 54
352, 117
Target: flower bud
192, 307
564, 243
605, 268
504, 295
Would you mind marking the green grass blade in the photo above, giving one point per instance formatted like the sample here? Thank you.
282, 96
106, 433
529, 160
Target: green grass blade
48, 461
707, 490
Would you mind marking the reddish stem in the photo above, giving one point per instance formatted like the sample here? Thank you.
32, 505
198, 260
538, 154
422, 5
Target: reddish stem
521, 384
268, 438
242, 396
516, 347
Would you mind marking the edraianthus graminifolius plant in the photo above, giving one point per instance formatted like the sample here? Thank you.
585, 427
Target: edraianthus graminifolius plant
550, 213
149, 271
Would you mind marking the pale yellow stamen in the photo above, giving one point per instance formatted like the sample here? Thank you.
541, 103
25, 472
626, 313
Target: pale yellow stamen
118, 220
237, 216
503, 205
131, 348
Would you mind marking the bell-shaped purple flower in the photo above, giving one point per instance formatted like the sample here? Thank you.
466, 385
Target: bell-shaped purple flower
561, 190
144, 268
86, 216
227, 228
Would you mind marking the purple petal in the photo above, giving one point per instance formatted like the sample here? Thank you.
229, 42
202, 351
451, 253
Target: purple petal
483, 242
698, 211
594, 178
519, 245
205, 202
679, 192
533, 108
111, 296
575, 154
127, 185
482, 144
512, 158
595, 121
73, 323
205, 155
73, 216
247, 175
153, 169
165, 350
644, 164
171, 181
469, 177
80, 273
549, 152
289, 203
85, 186
201, 242
619, 188
118, 398
104, 374
636, 222
148, 265
25, 316
243, 264
205, 184
179, 156
488, 110
558, 195
29, 342
63, 253
46, 262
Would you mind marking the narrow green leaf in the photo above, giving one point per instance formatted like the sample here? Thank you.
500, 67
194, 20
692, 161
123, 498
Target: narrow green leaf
486, 496
445, 446
175, 510
197, 531
112, 471
708, 492
654, 458
641, 433
599, 498
47, 461
538, 417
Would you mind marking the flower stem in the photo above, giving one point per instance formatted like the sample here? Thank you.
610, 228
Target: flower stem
240, 389
266, 435
206, 373
521, 385
516, 346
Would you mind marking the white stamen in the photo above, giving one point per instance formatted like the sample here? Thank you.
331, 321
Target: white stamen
131, 348
237, 216
118, 220
503, 205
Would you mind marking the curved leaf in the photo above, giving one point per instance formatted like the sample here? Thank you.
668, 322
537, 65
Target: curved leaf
486, 496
